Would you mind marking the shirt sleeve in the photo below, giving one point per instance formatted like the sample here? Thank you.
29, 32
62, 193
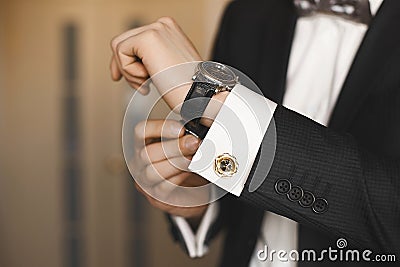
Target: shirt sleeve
195, 242
227, 153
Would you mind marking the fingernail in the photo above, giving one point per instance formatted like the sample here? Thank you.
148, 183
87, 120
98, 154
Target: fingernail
192, 143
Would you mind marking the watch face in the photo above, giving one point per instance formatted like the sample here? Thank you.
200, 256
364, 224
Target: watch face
218, 73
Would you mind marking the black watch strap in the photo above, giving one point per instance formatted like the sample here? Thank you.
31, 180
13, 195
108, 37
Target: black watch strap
195, 104
195, 128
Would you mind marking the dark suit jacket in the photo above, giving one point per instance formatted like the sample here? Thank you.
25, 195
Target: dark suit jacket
353, 164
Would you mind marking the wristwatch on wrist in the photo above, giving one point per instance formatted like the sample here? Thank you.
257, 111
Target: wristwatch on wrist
209, 79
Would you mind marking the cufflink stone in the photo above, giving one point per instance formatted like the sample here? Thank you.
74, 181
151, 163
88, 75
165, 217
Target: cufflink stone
225, 165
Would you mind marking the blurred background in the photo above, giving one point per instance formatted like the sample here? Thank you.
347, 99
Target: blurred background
66, 198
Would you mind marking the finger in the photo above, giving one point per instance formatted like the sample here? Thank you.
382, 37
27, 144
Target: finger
115, 73
155, 152
170, 194
126, 52
134, 79
142, 88
173, 192
194, 180
155, 200
134, 85
159, 172
179, 179
161, 190
133, 60
136, 69
136, 82
169, 129
167, 186
125, 47
136, 48
119, 38
129, 65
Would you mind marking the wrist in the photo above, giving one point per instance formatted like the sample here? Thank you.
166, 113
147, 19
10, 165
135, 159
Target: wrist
213, 108
212, 82
175, 97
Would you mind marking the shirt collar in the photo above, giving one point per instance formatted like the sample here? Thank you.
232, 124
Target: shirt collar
375, 5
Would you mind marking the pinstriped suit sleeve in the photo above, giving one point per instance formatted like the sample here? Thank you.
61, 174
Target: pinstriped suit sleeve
360, 191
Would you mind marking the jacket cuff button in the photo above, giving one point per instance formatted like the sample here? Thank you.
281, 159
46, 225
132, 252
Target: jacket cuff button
282, 186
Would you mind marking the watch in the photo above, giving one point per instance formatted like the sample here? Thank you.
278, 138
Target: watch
209, 79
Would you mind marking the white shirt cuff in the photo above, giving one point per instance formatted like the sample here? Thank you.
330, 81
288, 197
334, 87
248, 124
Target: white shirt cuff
195, 243
238, 130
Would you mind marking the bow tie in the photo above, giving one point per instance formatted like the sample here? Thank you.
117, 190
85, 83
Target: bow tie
354, 10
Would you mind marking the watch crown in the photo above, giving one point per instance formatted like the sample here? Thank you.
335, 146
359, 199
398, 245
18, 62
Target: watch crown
223, 88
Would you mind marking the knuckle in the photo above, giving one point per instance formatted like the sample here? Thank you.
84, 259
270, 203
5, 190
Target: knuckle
114, 42
144, 155
152, 34
148, 171
118, 46
134, 86
158, 25
168, 20
125, 68
139, 130
152, 174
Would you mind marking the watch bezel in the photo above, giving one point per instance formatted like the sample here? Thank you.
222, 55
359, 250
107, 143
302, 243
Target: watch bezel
203, 74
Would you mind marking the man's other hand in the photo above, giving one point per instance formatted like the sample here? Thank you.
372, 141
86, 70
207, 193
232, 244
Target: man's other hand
162, 155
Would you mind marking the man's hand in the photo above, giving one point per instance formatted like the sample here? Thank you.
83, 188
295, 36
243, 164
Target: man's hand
146, 51
162, 151
160, 168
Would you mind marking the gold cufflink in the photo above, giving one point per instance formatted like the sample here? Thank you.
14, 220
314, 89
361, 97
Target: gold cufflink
225, 165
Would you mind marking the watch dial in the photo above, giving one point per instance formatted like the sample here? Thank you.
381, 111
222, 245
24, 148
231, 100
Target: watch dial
218, 72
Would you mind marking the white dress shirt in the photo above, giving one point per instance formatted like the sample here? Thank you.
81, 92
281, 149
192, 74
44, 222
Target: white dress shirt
322, 52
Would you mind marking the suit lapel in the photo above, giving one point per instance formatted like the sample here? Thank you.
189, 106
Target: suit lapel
279, 30
380, 42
